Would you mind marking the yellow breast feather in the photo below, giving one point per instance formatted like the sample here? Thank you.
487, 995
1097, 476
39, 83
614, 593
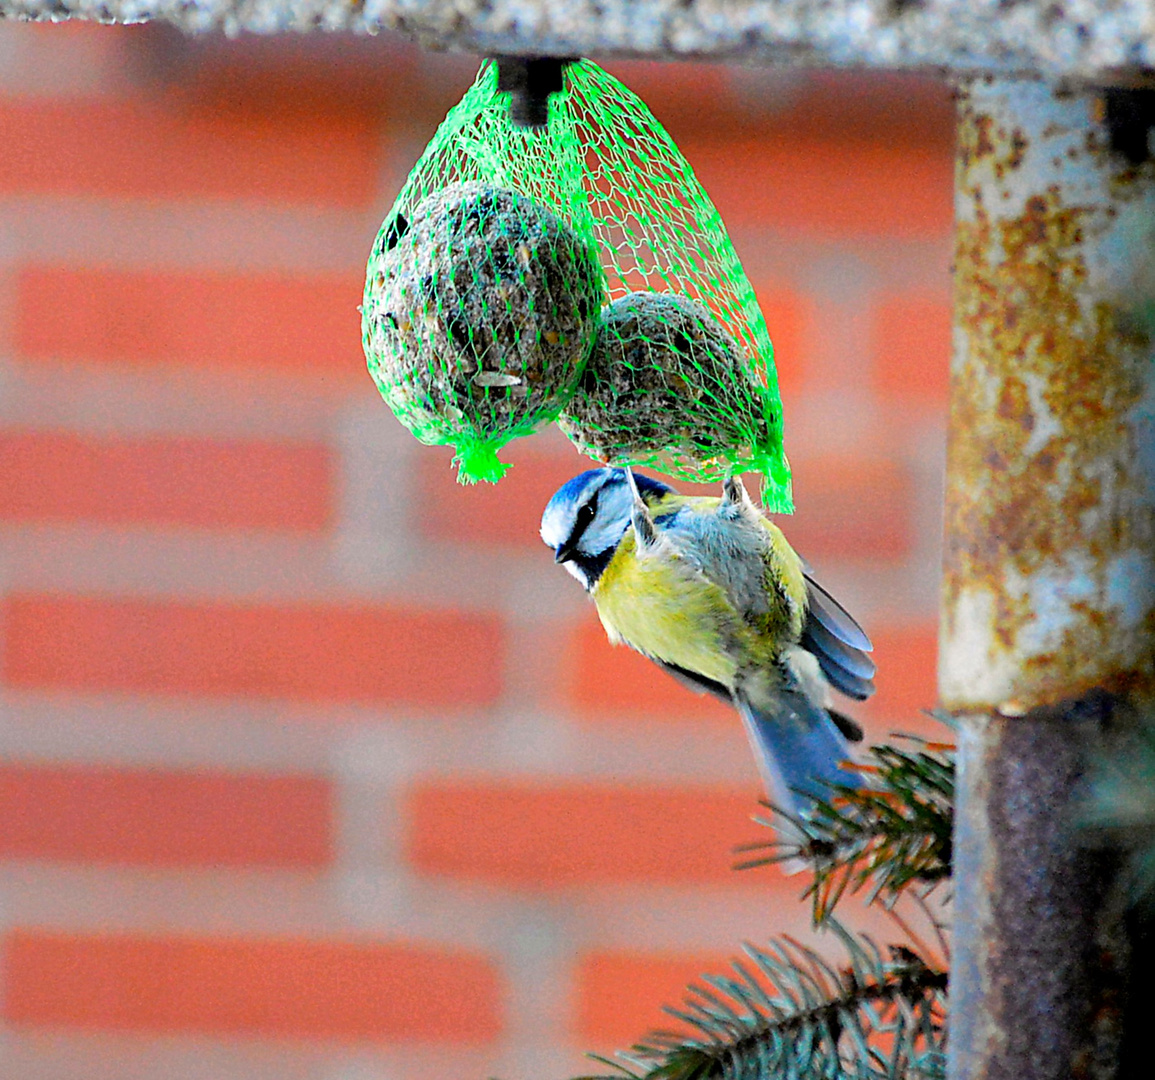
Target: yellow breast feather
668, 610
675, 609
784, 573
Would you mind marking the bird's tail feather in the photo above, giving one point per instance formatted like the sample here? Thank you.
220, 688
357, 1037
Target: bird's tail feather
798, 748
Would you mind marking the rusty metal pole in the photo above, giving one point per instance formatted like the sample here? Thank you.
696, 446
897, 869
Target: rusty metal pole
1048, 618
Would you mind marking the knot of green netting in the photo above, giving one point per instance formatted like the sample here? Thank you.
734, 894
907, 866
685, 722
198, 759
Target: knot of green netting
476, 459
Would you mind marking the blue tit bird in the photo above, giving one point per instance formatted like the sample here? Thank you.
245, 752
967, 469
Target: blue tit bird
711, 591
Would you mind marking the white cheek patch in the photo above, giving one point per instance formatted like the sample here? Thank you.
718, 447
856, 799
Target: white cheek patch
577, 572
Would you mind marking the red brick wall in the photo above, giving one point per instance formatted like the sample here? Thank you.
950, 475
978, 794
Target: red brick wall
311, 763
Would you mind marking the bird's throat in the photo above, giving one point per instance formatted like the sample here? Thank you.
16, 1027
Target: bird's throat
591, 567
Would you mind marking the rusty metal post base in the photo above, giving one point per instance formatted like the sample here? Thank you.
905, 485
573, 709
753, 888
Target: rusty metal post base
1048, 618
1040, 959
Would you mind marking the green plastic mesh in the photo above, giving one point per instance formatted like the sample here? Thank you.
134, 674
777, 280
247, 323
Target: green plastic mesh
579, 273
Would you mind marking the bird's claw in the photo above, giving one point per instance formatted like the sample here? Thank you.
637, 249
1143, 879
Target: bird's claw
734, 495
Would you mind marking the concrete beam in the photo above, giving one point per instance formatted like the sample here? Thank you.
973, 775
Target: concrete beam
1089, 40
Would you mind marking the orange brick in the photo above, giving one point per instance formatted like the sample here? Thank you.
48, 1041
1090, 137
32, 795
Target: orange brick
907, 659
678, 98
782, 105
911, 346
304, 325
851, 507
620, 994
137, 150
57, 476
829, 187
262, 987
308, 653
611, 683
378, 76
149, 817
508, 513
789, 318
538, 835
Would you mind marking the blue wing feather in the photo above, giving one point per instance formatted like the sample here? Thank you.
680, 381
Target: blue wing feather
830, 614
798, 749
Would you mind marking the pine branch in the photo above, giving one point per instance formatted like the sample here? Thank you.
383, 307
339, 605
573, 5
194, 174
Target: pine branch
786, 1012
881, 838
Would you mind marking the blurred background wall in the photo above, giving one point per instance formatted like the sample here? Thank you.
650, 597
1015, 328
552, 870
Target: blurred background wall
313, 764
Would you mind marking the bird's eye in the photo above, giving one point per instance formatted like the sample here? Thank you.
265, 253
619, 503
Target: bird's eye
585, 514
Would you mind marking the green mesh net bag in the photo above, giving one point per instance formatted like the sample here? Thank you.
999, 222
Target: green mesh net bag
633, 323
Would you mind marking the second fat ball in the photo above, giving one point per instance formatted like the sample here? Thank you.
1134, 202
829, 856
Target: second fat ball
666, 380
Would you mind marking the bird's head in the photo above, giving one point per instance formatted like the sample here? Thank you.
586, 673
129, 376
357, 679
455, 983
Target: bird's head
588, 516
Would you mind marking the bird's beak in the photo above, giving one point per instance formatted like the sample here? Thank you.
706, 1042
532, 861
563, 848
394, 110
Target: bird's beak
563, 553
